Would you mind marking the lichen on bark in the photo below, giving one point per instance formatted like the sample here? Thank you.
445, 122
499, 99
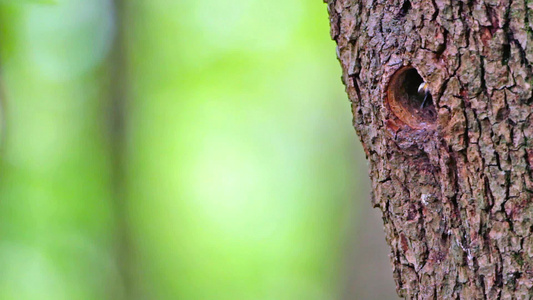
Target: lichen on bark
456, 192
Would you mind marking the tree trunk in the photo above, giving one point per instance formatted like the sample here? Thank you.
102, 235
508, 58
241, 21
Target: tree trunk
453, 178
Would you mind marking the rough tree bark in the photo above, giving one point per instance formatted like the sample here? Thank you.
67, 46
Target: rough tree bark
453, 179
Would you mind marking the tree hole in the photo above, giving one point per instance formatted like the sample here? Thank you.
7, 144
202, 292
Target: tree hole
410, 99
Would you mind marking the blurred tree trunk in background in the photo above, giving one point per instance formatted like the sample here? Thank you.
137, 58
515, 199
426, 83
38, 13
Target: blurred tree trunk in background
453, 178
118, 89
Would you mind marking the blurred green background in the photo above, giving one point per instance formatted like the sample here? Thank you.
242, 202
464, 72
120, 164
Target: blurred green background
159, 149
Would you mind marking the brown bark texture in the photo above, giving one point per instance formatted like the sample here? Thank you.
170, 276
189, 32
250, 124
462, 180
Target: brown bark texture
453, 178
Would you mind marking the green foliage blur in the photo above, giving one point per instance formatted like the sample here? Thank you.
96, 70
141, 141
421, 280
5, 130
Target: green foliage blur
159, 149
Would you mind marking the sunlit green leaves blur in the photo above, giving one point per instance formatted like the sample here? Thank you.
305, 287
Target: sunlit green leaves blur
239, 175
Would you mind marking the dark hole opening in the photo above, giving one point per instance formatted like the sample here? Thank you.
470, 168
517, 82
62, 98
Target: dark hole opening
410, 99
412, 82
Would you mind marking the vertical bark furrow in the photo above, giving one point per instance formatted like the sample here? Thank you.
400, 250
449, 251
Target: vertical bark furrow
455, 192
